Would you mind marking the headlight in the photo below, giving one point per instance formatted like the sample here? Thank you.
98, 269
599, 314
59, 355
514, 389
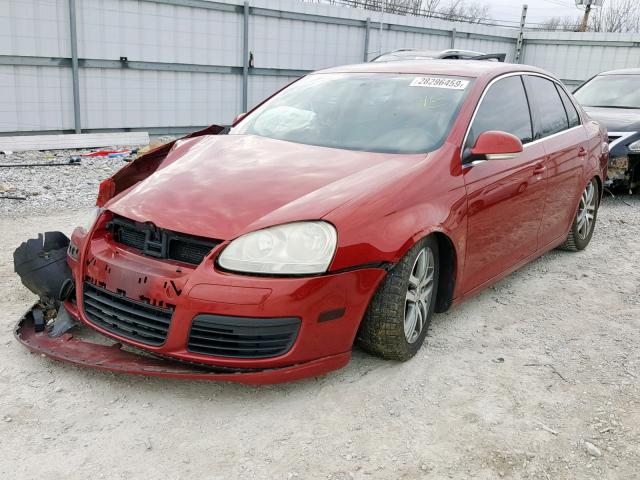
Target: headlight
289, 249
635, 146
619, 163
87, 220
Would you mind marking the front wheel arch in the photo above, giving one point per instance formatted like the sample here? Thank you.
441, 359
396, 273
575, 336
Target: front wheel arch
449, 261
600, 187
575, 239
448, 265
383, 330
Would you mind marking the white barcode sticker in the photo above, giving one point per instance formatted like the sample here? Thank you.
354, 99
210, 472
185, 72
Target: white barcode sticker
439, 82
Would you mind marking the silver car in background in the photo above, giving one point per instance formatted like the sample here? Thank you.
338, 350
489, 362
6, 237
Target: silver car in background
451, 54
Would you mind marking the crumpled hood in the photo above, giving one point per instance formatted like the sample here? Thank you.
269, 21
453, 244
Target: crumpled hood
221, 186
616, 119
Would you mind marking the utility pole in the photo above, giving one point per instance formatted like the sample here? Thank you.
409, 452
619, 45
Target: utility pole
383, 5
588, 4
520, 40
585, 17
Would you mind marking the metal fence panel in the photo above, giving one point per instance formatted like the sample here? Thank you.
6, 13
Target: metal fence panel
35, 98
575, 57
131, 98
184, 58
34, 28
157, 32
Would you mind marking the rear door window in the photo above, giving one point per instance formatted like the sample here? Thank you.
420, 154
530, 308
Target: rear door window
503, 108
549, 114
572, 113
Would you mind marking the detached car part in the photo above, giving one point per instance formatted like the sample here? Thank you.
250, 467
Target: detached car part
114, 358
41, 264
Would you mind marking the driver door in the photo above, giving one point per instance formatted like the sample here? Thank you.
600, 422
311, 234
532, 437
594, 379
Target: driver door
505, 198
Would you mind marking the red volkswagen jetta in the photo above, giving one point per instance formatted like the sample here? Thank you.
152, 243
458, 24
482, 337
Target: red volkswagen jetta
346, 208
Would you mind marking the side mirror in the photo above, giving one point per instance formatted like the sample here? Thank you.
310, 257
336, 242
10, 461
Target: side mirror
238, 118
494, 145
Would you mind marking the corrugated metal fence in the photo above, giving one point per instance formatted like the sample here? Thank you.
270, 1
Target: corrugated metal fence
176, 65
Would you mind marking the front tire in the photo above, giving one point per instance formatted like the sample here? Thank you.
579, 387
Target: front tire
585, 220
399, 315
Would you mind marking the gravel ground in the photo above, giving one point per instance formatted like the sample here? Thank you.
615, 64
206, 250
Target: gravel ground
51, 189
535, 378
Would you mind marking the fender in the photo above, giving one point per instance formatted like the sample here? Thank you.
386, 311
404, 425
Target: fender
405, 222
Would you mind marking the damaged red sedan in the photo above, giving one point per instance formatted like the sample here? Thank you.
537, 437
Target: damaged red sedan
349, 207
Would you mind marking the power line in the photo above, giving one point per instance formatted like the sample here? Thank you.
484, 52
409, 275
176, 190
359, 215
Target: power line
420, 12
417, 11
560, 3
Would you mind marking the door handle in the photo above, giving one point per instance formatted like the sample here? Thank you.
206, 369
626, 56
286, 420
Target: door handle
582, 152
539, 169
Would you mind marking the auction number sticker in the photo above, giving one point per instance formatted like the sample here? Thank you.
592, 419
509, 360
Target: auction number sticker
439, 82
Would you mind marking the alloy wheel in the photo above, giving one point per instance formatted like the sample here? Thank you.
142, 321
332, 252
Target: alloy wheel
586, 211
419, 295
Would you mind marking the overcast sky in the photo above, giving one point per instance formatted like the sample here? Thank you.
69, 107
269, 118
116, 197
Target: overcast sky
538, 11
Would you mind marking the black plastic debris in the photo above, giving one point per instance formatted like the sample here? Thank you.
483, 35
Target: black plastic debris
42, 266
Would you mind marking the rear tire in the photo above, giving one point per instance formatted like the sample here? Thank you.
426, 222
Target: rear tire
585, 220
399, 315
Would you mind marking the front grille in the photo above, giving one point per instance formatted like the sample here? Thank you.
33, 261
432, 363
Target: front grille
240, 337
124, 317
160, 243
131, 238
188, 252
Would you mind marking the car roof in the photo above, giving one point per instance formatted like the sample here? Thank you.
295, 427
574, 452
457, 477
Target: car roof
461, 68
622, 71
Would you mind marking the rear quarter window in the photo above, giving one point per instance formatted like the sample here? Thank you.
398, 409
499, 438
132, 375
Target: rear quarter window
572, 113
550, 116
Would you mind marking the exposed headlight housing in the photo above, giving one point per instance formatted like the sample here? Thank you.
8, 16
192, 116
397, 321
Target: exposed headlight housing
617, 169
635, 146
72, 250
297, 248
619, 163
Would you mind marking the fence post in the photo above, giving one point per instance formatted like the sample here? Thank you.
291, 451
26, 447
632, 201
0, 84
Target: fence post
367, 28
453, 38
245, 57
74, 66
520, 40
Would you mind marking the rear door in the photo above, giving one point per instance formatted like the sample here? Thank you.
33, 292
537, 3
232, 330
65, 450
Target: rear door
505, 198
557, 126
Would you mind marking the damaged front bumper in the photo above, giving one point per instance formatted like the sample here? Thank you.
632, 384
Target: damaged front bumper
115, 357
624, 161
54, 327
